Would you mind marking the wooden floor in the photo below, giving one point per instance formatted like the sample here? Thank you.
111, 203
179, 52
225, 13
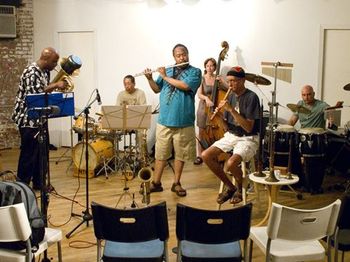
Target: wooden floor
202, 188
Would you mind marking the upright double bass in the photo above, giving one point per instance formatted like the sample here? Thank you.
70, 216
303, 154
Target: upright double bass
215, 126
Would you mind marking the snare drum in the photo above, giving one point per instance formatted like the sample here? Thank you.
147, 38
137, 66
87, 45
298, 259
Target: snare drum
103, 131
312, 141
98, 150
79, 125
283, 134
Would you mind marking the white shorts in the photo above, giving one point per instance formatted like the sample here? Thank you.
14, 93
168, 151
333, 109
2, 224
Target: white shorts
244, 146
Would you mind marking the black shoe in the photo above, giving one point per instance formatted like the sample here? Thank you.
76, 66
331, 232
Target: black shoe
36, 187
198, 161
52, 147
316, 191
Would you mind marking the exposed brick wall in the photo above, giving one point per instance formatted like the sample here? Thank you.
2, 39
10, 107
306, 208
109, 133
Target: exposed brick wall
15, 54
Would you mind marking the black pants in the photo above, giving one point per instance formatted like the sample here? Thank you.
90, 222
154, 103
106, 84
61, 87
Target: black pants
29, 163
314, 170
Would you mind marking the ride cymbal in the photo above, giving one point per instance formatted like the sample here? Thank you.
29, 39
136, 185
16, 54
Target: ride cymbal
257, 79
347, 87
298, 109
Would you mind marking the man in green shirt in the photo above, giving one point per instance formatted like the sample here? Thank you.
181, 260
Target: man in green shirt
316, 117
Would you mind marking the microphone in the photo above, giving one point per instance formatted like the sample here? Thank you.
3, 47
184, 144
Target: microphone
49, 110
98, 97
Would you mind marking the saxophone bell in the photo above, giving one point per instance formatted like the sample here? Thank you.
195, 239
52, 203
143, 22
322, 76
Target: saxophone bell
145, 175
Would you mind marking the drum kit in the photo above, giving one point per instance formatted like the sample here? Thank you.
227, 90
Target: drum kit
104, 150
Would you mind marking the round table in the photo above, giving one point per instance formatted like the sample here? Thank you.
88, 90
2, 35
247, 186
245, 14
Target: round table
272, 189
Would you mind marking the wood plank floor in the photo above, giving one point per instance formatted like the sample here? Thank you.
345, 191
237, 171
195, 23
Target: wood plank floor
201, 185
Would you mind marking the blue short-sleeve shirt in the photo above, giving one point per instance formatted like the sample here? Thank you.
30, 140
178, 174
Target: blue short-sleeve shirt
177, 106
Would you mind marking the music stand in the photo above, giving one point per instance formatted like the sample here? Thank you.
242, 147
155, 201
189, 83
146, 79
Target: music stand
43, 106
126, 117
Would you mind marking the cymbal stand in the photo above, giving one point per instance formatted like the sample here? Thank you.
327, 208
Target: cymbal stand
272, 125
259, 172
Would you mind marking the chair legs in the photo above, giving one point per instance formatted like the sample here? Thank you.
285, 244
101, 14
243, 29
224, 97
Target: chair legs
250, 250
59, 251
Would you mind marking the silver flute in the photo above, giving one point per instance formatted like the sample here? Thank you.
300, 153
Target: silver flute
155, 70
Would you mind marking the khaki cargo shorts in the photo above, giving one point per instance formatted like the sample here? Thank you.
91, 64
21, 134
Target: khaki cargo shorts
182, 140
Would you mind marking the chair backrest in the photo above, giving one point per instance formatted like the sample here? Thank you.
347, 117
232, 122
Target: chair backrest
302, 224
130, 225
213, 226
14, 224
344, 213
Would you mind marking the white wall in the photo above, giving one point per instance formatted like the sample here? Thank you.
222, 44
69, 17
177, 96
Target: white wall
132, 35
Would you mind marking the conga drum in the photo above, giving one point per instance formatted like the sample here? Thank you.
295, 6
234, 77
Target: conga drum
312, 147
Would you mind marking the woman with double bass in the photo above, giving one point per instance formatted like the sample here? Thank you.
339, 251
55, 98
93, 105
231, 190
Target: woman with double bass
204, 94
212, 90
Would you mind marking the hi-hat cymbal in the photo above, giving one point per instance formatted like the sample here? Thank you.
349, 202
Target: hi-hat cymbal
257, 79
347, 87
298, 109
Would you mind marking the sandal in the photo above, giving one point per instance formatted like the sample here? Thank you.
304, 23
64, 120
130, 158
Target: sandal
177, 188
237, 197
225, 195
152, 188
198, 161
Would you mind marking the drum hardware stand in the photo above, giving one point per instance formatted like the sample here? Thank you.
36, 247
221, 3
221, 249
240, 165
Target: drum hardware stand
126, 192
116, 157
124, 167
63, 157
86, 217
259, 172
106, 167
273, 119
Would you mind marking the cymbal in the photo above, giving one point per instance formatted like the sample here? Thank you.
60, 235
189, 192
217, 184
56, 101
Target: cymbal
298, 109
347, 87
257, 79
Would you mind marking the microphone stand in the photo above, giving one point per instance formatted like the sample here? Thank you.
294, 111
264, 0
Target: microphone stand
86, 214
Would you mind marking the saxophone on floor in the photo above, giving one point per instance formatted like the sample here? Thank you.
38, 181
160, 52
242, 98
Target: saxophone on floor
146, 173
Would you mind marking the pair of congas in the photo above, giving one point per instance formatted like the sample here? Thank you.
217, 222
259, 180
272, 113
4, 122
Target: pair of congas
309, 141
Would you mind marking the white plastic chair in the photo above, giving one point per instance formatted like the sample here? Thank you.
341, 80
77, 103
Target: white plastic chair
293, 234
14, 226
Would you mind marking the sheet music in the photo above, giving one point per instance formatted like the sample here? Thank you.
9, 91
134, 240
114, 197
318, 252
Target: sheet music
126, 117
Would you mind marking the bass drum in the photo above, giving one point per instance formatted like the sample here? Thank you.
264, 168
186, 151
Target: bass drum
98, 150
